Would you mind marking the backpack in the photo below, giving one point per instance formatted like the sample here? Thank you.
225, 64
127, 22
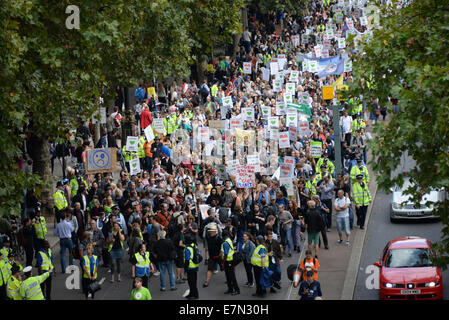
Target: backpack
197, 257
237, 258
117, 120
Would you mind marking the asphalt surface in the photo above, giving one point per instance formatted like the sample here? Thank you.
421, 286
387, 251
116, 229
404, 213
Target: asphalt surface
122, 290
380, 230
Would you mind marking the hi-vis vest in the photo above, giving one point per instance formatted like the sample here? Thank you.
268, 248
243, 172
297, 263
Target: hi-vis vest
171, 123
40, 225
140, 149
361, 195
312, 190
74, 186
87, 265
189, 114
46, 260
256, 259
230, 255
357, 125
12, 290
59, 200
4, 273
31, 287
191, 264
330, 167
128, 155
143, 264
355, 171
112, 243
214, 90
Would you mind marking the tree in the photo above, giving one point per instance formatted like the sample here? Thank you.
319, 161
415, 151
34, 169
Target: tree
407, 61
291, 6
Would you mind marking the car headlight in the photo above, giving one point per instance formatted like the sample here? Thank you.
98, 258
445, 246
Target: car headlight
395, 205
389, 285
432, 284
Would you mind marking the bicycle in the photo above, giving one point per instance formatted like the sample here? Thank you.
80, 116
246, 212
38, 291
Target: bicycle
15, 246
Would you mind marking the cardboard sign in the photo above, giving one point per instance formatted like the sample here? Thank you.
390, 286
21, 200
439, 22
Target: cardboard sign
101, 160
132, 144
290, 88
294, 77
266, 112
328, 92
277, 86
303, 128
245, 176
134, 166
348, 66
236, 123
247, 67
315, 148
284, 140
203, 134
217, 124
158, 126
248, 114
288, 98
286, 170
341, 43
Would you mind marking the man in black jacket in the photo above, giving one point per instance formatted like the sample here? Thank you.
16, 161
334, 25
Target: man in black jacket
164, 251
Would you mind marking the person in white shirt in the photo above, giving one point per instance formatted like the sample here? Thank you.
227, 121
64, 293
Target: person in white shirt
341, 207
346, 123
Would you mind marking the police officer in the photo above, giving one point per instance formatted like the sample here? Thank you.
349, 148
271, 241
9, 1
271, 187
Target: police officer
59, 201
227, 255
191, 267
14, 284
40, 227
31, 286
45, 262
359, 169
362, 199
259, 260
4, 275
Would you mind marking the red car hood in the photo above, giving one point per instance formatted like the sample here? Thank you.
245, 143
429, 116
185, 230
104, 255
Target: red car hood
409, 275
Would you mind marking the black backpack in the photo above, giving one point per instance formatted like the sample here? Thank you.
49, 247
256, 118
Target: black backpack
197, 257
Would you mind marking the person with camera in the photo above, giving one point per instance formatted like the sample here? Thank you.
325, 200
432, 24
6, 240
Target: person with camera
89, 264
310, 289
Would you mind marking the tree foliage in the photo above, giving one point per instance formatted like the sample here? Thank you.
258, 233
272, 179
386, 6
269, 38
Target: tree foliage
290, 6
408, 60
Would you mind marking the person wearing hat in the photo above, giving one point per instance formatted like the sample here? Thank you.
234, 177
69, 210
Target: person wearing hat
319, 177
330, 167
12, 262
310, 188
359, 169
59, 200
259, 260
30, 288
191, 268
362, 199
171, 121
40, 227
6, 250
4, 276
357, 124
213, 246
76, 182
227, 256
45, 263
14, 283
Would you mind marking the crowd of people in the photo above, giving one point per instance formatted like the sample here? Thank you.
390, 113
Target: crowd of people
181, 207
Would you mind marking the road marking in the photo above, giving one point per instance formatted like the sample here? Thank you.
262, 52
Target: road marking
102, 280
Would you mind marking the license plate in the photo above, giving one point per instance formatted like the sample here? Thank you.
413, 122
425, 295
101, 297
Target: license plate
417, 291
414, 213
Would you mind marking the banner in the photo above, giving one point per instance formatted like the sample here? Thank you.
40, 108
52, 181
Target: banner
326, 66
244, 137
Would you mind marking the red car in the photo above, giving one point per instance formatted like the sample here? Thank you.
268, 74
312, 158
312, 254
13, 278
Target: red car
406, 271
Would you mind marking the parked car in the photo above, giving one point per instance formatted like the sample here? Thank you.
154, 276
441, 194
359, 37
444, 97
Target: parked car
407, 272
401, 206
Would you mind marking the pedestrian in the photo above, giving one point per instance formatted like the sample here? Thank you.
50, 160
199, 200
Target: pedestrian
45, 263
327, 189
341, 206
64, 230
362, 199
165, 252
191, 268
247, 251
275, 252
40, 228
140, 292
89, 263
259, 260
324, 210
309, 264
141, 265
314, 224
97, 238
179, 245
116, 250
286, 222
310, 289
227, 256
28, 238
213, 242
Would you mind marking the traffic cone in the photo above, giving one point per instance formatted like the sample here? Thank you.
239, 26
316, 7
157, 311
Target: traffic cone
296, 278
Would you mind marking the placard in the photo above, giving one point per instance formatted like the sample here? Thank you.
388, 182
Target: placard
149, 135
227, 101
274, 68
294, 77
273, 122
131, 143
246, 67
290, 160
288, 98
101, 160
134, 166
303, 128
158, 126
245, 176
348, 66
293, 134
203, 134
286, 170
232, 165
203, 209
290, 87
217, 124
292, 119
277, 86
288, 184
284, 140
248, 114
253, 160
315, 148
341, 43
266, 112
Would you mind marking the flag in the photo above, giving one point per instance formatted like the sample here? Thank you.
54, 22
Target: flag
338, 82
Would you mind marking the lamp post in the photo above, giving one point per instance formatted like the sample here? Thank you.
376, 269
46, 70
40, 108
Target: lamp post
337, 137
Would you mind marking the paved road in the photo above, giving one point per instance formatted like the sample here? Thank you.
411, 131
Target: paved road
121, 291
380, 230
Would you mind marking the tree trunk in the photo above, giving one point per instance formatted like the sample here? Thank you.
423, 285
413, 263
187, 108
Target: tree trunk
199, 72
41, 166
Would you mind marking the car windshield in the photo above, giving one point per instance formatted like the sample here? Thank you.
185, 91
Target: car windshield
408, 258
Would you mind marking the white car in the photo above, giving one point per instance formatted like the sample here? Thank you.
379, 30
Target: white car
402, 207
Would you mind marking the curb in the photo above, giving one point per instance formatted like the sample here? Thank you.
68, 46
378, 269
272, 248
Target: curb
356, 254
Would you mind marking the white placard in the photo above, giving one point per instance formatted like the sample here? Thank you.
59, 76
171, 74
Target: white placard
273, 134
341, 43
203, 134
149, 134
284, 140
247, 67
232, 165
134, 166
363, 21
294, 76
292, 119
274, 68
266, 112
273, 122
277, 86
131, 143
290, 160
280, 108
286, 170
290, 87
253, 160
303, 128
248, 113
293, 134
158, 125
288, 98
227, 101
348, 66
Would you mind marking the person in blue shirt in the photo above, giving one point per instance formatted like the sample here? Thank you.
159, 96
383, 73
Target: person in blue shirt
140, 93
192, 271
228, 262
310, 289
